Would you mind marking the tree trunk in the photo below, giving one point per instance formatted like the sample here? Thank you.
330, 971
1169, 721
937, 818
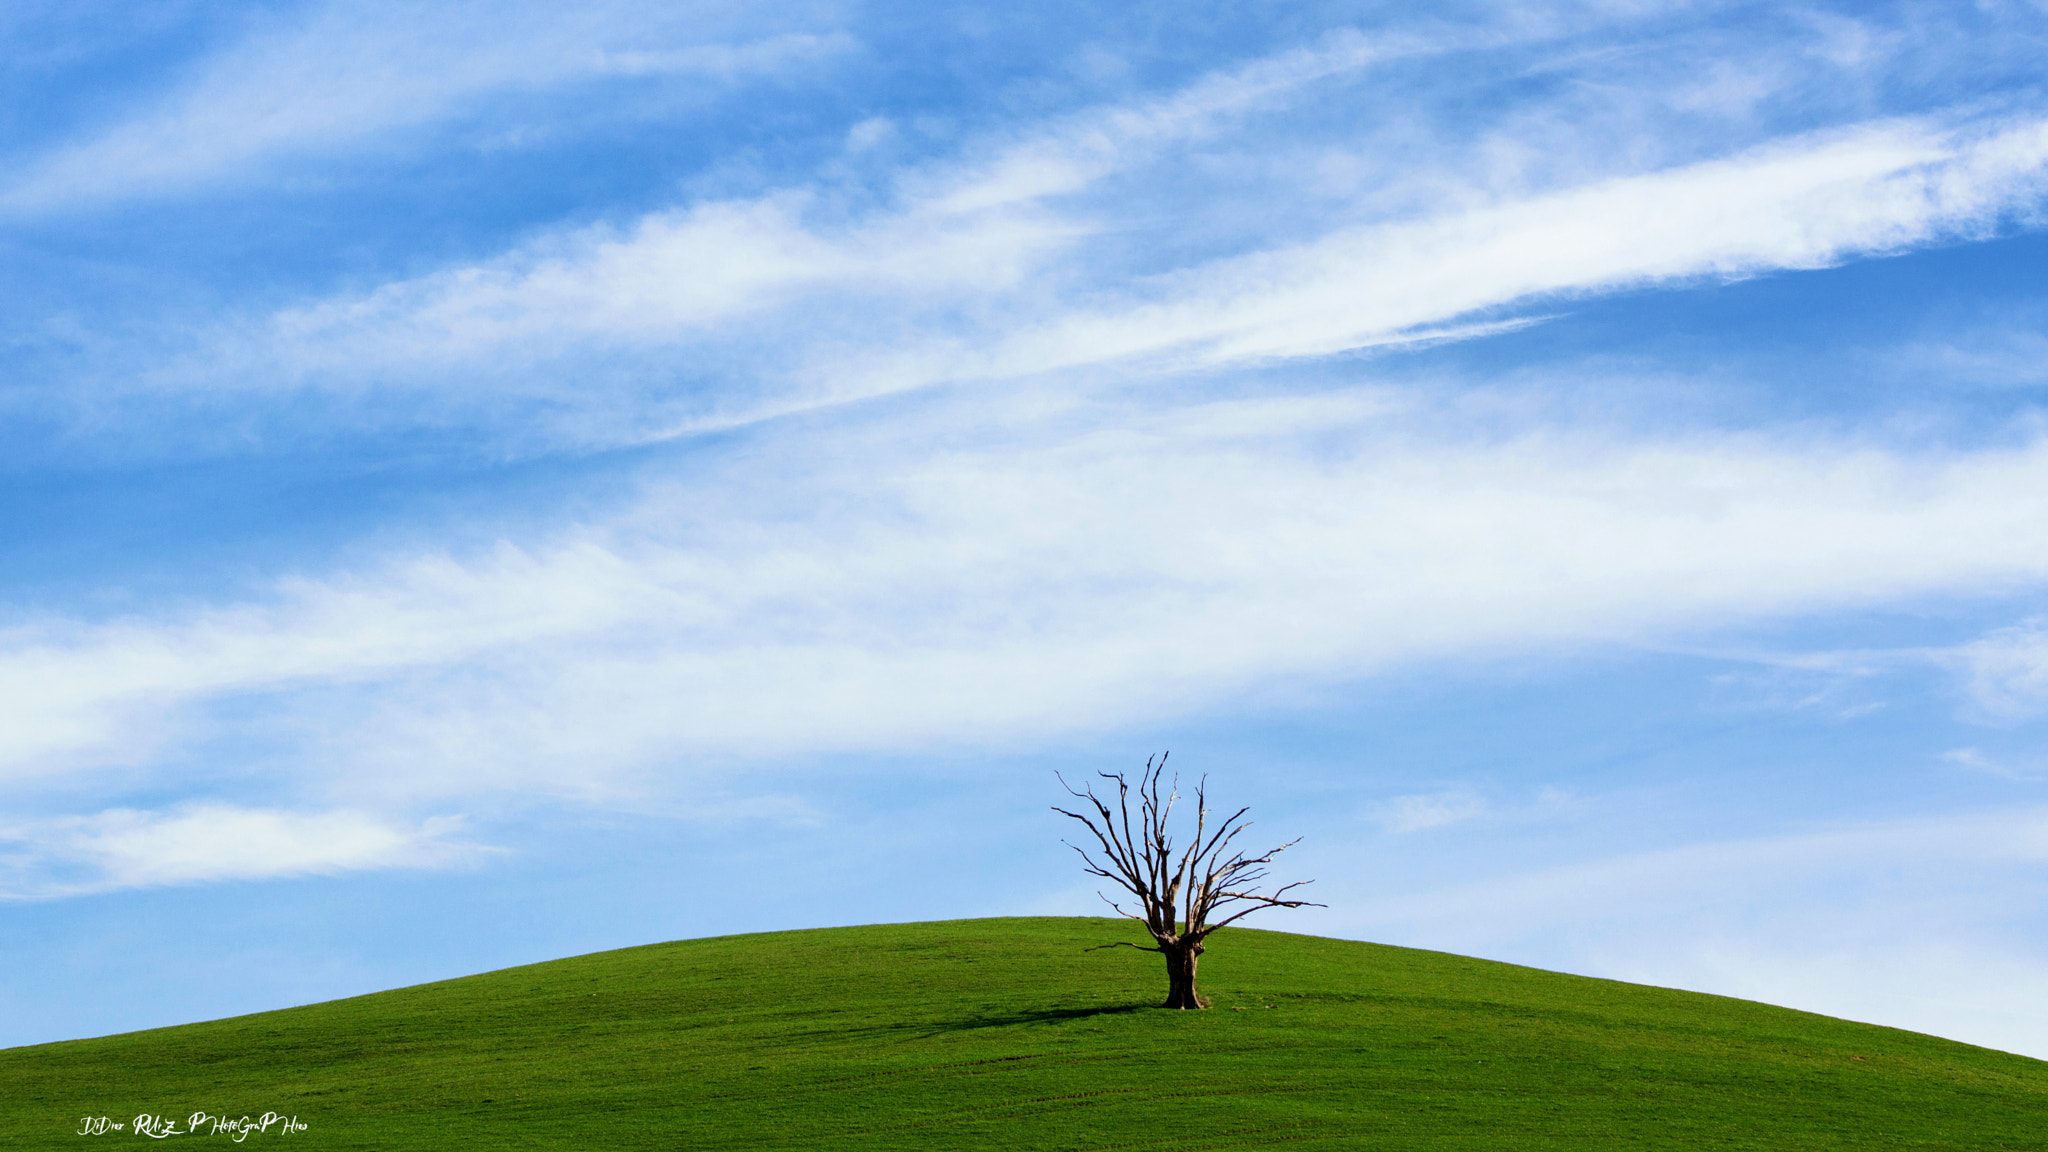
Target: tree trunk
1181, 959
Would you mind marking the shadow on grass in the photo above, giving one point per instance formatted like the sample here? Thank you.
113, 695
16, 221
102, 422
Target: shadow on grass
1042, 1016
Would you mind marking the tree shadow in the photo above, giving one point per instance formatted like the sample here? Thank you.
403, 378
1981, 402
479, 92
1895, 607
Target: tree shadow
1040, 1016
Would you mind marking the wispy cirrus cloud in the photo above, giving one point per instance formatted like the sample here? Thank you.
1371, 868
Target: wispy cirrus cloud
193, 843
1422, 812
985, 281
422, 613
1794, 204
1119, 237
976, 225
2005, 673
1620, 887
1867, 919
876, 594
344, 76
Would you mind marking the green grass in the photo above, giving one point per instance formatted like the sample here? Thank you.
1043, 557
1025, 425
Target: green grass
1004, 1034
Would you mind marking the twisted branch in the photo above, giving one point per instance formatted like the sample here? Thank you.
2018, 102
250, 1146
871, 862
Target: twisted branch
1210, 877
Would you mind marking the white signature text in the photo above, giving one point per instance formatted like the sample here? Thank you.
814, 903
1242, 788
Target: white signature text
236, 1128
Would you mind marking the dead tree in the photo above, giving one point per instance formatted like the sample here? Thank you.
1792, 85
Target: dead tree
1177, 894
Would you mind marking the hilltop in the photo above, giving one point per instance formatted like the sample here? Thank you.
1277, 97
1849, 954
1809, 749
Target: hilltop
1004, 1034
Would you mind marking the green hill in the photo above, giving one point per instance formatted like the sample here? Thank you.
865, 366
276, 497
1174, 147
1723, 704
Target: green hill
1004, 1034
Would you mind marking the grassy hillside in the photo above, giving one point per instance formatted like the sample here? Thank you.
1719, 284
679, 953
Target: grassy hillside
1003, 1034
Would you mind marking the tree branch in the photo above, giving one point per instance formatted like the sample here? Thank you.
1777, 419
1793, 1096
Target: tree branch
1177, 893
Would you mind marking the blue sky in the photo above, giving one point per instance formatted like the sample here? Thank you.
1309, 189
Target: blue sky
484, 484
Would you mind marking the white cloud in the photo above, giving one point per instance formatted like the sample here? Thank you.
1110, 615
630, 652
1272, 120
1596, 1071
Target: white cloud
975, 227
869, 133
2006, 671
1954, 984
669, 275
1913, 923
417, 614
983, 278
352, 72
1432, 810
2009, 355
1793, 204
1970, 759
194, 843
1067, 156
1702, 876
1073, 570
2024, 768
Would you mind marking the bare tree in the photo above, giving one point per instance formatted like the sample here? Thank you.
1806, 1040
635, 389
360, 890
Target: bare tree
1178, 894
